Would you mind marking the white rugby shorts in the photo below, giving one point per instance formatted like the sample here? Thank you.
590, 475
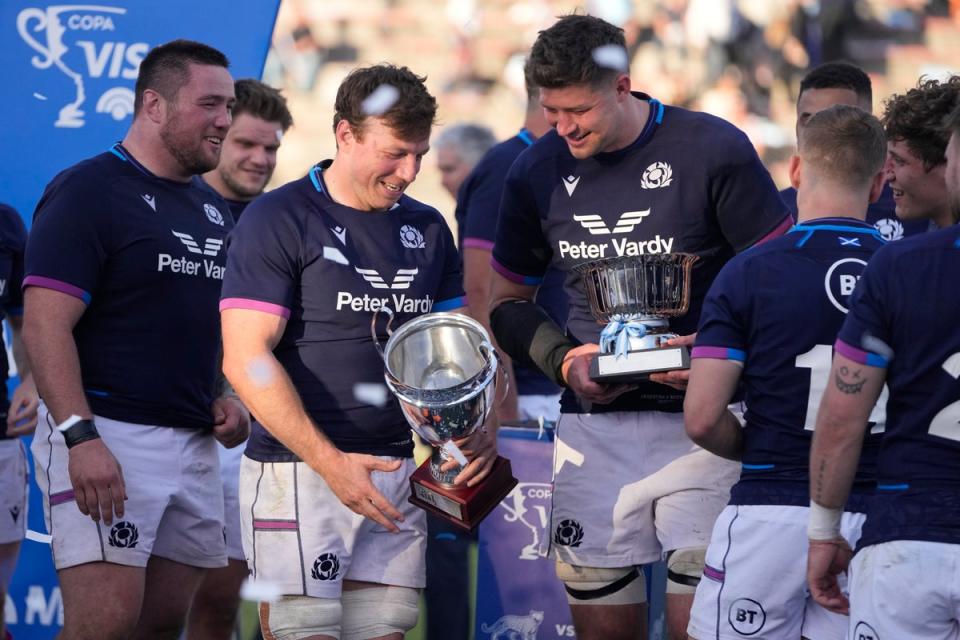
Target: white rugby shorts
631, 486
298, 535
174, 506
13, 491
905, 590
230, 476
754, 584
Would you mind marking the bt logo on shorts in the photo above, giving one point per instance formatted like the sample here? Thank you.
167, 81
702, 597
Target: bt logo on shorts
746, 616
207, 266
569, 533
863, 631
124, 535
325, 567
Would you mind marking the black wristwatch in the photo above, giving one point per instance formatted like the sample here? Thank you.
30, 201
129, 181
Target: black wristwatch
76, 430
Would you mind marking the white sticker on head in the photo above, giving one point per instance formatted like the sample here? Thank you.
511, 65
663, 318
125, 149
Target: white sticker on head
260, 591
279, 133
611, 56
371, 393
380, 101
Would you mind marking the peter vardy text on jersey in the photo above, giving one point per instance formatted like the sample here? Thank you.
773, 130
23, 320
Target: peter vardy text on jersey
398, 302
208, 268
622, 247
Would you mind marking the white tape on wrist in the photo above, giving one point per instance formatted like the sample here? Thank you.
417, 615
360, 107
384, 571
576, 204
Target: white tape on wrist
824, 523
69, 422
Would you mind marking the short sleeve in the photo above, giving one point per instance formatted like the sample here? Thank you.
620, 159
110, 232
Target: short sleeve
67, 250
482, 207
722, 333
747, 204
450, 291
521, 252
865, 335
263, 257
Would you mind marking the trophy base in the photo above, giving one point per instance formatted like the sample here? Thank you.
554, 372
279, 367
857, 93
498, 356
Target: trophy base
464, 506
638, 365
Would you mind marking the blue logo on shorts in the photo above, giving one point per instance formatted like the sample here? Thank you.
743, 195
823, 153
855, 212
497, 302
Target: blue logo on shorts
124, 535
863, 631
326, 567
569, 533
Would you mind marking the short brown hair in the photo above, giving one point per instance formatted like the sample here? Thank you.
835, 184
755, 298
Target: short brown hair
563, 55
917, 116
845, 143
166, 68
412, 114
261, 101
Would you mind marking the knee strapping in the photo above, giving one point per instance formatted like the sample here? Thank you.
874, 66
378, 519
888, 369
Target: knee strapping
593, 585
379, 611
684, 568
297, 617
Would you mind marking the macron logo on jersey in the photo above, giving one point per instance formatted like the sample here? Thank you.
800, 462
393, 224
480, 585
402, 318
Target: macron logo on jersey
571, 184
400, 281
150, 200
211, 246
341, 233
625, 224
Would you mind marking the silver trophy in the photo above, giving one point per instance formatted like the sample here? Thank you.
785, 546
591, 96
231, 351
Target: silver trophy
635, 296
443, 368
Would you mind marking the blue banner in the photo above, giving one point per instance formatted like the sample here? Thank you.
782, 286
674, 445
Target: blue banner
518, 594
71, 68
70, 74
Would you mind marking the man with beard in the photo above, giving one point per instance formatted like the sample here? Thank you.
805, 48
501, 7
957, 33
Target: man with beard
249, 156
247, 161
616, 177
124, 266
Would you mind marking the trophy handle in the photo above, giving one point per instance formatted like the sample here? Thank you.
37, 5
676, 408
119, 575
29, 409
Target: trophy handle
373, 327
503, 380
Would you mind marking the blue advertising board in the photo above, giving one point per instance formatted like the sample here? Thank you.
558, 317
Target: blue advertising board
70, 71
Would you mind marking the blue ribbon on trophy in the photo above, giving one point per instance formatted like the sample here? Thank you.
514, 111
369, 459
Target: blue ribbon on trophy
619, 331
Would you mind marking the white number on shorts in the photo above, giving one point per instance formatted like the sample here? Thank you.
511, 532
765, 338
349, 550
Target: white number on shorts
818, 360
946, 424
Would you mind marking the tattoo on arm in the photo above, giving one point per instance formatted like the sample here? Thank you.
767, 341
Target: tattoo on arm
850, 382
820, 480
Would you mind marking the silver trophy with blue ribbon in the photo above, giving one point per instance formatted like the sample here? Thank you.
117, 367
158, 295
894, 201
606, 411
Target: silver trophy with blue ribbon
635, 296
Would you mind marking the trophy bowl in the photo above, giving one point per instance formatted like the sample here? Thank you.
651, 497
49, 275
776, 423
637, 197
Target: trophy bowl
634, 296
443, 369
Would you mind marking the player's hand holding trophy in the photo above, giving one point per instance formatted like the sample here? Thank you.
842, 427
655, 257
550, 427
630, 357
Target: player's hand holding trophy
443, 370
635, 296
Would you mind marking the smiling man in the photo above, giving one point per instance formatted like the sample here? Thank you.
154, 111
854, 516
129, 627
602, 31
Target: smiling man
916, 143
249, 156
324, 480
260, 118
618, 175
123, 270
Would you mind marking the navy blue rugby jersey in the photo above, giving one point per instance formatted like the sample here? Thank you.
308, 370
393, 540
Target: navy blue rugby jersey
691, 182
478, 207
777, 309
906, 305
146, 255
326, 268
13, 242
882, 214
